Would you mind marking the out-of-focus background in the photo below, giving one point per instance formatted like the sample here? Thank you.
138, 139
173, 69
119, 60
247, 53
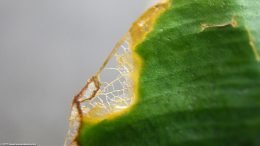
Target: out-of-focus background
48, 49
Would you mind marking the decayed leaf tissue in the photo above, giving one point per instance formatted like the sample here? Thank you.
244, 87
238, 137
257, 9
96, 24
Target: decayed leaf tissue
103, 95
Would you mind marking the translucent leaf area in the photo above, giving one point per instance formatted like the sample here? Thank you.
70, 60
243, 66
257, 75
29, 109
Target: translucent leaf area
108, 92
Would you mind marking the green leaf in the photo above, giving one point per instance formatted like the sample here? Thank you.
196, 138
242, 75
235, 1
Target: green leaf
199, 82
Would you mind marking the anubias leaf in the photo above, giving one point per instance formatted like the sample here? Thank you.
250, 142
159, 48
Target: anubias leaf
187, 73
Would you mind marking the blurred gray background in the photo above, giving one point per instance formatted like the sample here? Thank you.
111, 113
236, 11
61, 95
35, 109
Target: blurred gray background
48, 49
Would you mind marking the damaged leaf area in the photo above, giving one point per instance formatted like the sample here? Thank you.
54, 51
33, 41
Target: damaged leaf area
232, 23
107, 94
